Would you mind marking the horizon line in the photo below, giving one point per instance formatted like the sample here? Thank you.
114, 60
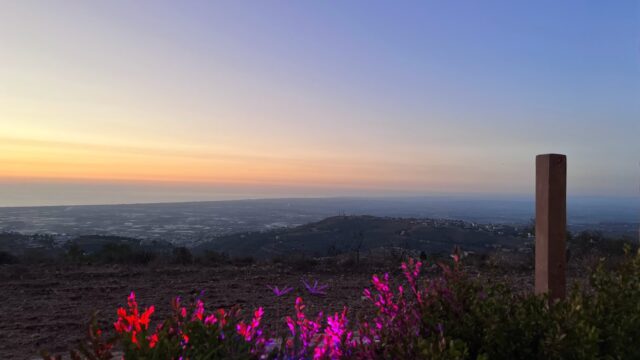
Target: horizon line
465, 196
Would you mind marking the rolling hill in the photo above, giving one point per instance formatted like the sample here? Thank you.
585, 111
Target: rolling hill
340, 234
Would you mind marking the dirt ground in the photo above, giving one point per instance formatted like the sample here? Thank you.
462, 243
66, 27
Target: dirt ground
47, 307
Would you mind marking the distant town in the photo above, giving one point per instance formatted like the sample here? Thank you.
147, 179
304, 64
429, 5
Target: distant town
193, 223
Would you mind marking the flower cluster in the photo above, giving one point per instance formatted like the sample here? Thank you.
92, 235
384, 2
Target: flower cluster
252, 330
189, 332
134, 324
310, 339
303, 331
336, 339
192, 328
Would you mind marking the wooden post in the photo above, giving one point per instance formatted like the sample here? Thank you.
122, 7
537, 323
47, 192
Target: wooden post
551, 222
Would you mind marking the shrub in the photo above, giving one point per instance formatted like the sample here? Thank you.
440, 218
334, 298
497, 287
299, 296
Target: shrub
114, 253
243, 261
38, 256
182, 256
302, 263
456, 317
75, 254
213, 258
142, 257
7, 258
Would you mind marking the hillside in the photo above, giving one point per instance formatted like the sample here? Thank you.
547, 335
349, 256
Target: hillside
341, 234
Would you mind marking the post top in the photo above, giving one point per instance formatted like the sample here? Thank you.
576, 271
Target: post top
552, 155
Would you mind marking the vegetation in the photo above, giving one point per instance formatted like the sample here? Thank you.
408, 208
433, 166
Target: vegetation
450, 315
7, 258
357, 235
351, 240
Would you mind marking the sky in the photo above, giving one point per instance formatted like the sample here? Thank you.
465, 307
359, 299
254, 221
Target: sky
150, 101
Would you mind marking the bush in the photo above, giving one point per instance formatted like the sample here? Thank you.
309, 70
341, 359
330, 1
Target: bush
302, 263
114, 253
7, 258
450, 316
38, 256
142, 257
243, 261
182, 256
75, 254
456, 317
213, 258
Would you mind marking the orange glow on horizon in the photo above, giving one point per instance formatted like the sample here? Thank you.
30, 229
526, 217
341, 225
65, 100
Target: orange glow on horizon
50, 160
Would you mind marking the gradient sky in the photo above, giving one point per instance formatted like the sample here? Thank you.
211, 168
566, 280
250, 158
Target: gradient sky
136, 101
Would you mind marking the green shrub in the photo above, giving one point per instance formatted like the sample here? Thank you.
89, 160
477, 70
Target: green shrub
489, 321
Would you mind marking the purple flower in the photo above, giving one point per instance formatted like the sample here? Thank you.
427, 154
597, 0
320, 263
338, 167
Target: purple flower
280, 292
316, 289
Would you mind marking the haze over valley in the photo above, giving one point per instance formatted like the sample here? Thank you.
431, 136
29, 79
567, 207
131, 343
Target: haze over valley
193, 223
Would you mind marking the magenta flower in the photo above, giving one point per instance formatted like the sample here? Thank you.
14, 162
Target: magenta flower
280, 292
249, 331
198, 313
303, 331
335, 339
411, 271
317, 289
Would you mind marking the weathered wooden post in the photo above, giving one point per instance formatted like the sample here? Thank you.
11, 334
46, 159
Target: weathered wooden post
551, 222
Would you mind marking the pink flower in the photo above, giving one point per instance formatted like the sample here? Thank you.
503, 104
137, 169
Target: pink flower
302, 330
199, 311
335, 338
210, 320
411, 272
248, 331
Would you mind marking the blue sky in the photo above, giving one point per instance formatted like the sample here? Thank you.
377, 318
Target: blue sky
276, 98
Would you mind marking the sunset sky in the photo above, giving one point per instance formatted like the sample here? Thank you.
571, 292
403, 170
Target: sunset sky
136, 101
